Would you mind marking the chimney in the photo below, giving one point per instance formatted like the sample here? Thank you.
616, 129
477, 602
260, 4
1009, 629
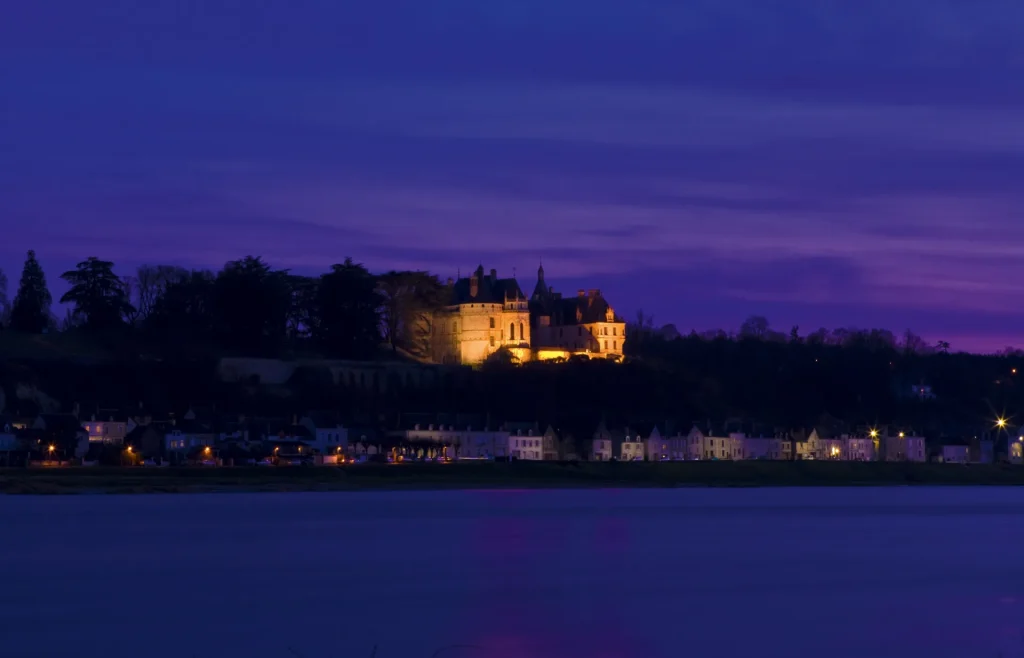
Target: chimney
474, 286
494, 275
581, 292
451, 282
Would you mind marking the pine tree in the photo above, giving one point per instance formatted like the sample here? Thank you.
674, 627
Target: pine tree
97, 293
30, 312
5, 307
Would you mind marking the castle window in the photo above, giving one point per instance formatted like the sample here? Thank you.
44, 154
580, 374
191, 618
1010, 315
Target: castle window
606, 344
615, 345
512, 331
615, 331
522, 334
455, 327
492, 341
492, 323
579, 331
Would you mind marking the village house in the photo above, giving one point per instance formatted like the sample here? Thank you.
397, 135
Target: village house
487, 444
955, 453
757, 447
717, 444
327, 434
902, 447
1015, 451
982, 451
780, 449
655, 446
601, 445
10, 445
679, 446
108, 427
551, 448
187, 436
858, 449
628, 447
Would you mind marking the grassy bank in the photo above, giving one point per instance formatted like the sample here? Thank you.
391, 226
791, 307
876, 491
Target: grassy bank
494, 475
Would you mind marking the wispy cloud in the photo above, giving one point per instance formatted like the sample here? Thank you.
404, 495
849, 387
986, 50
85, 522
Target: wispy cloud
824, 163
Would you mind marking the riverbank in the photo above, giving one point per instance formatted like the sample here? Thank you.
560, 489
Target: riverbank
500, 476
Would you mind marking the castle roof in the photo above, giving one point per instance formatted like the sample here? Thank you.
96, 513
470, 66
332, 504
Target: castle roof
480, 288
585, 308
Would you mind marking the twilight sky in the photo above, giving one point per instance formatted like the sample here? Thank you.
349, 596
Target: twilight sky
819, 162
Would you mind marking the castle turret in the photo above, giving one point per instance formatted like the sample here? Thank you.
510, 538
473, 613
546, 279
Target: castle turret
541, 289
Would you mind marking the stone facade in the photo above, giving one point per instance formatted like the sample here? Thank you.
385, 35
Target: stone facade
584, 325
486, 314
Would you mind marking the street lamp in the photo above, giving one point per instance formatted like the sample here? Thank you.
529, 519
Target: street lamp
1001, 423
874, 434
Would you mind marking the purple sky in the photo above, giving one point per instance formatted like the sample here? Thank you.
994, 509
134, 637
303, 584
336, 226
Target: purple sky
820, 163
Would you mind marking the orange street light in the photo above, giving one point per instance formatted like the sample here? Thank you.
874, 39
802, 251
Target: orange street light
128, 449
51, 448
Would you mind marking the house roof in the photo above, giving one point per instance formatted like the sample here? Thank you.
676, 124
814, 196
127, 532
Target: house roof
643, 429
586, 308
299, 431
512, 427
323, 419
109, 416
188, 426
363, 434
61, 422
489, 289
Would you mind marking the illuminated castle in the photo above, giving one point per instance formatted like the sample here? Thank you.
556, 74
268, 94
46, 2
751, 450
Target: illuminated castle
486, 314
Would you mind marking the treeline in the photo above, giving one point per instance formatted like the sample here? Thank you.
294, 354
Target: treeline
247, 308
757, 327
787, 379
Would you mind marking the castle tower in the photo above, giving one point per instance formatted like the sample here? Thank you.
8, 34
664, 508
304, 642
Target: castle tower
541, 289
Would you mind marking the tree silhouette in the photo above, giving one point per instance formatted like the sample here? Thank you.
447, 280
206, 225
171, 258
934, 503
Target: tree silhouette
98, 295
346, 312
182, 312
251, 305
5, 307
755, 326
408, 299
30, 312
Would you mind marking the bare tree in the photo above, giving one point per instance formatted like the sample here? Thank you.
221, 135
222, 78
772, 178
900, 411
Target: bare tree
912, 343
130, 285
756, 326
150, 282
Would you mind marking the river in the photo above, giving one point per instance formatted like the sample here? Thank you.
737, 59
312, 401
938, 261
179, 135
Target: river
694, 573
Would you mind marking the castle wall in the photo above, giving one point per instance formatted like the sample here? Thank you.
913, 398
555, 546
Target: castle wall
602, 338
473, 332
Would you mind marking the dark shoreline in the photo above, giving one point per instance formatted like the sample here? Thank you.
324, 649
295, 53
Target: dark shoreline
485, 475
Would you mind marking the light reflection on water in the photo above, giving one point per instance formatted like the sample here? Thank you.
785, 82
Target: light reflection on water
901, 572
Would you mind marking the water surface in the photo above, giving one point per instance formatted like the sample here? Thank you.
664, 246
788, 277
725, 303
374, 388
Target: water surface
704, 573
